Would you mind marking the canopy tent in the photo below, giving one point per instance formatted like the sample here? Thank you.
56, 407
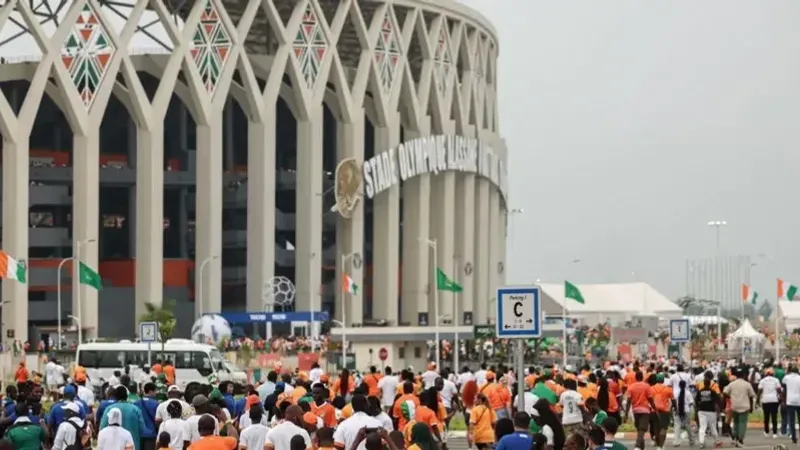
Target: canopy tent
745, 331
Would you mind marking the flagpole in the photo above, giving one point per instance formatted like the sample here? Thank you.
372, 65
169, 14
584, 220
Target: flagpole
778, 324
432, 244
345, 293
564, 332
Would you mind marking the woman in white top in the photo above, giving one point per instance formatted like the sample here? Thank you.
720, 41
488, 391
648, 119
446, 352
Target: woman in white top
114, 437
683, 408
173, 426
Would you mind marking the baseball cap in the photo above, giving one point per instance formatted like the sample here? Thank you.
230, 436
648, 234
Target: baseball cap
69, 389
199, 400
280, 384
72, 406
173, 388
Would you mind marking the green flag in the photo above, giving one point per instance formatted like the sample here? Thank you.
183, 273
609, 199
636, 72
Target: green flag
572, 292
89, 277
446, 284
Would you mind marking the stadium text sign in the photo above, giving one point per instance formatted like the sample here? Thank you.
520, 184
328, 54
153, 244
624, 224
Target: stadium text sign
433, 154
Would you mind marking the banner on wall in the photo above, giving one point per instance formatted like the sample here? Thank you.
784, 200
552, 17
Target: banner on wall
306, 360
269, 360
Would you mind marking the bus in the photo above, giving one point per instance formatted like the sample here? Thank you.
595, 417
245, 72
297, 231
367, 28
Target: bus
193, 362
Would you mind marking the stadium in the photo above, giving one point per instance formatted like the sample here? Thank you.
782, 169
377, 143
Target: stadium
193, 151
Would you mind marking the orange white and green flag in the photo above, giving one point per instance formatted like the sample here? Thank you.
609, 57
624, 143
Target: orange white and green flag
786, 290
749, 295
348, 285
12, 269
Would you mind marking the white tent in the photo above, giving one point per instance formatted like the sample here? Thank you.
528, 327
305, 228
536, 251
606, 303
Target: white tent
745, 331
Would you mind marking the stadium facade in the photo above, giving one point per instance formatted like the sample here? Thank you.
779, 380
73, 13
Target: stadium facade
189, 151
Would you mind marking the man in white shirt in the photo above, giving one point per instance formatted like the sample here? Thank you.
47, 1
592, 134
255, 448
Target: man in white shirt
253, 436
480, 375
769, 389
174, 394
430, 376
346, 432
85, 394
315, 373
51, 375
464, 377
68, 430
791, 383
280, 436
388, 386
571, 401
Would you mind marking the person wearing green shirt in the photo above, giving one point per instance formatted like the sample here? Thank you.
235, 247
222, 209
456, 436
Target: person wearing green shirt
610, 426
24, 434
779, 372
599, 416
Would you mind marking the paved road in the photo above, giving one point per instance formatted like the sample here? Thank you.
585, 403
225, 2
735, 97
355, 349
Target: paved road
754, 441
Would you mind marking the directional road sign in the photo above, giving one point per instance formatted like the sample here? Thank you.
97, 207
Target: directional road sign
519, 312
679, 331
148, 332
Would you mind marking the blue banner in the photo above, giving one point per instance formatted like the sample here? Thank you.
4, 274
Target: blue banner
296, 316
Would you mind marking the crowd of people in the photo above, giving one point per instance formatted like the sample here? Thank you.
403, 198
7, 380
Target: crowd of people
560, 408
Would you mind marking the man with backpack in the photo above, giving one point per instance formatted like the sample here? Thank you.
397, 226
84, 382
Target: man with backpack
25, 434
72, 434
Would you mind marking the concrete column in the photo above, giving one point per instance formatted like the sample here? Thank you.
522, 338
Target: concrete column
85, 223
132, 221
443, 188
208, 228
149, 217
465, 242
386, 232
260, 208
183, 222
480, 276
228, 134
16, 192
308, 224
502, 247
416, 224
496, 233
350, 232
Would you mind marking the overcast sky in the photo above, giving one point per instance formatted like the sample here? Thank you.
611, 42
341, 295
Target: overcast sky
631, 124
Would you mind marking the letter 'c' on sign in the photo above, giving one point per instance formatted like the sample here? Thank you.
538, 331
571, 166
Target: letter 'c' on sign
517, 312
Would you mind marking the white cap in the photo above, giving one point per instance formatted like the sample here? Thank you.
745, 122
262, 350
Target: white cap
72, 406
173, 388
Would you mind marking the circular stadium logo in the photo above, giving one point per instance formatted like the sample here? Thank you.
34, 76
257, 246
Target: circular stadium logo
357, 261
468, 268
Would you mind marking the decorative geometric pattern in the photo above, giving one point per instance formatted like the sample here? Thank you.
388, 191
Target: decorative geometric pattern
310, 45
211, 45
86, 54
387, 53
442, 60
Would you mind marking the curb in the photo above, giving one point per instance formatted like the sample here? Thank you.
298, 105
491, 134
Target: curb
624, 435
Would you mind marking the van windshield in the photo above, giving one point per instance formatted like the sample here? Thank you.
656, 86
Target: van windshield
216, 359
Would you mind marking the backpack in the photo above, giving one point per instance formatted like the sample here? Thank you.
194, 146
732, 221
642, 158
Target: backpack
83, 440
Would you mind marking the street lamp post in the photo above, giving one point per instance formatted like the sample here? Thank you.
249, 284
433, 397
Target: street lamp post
431, 243
76, 304
200, 298
717, 224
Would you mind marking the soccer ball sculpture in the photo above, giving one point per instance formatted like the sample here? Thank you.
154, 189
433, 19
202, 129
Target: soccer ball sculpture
278, 291
211, 326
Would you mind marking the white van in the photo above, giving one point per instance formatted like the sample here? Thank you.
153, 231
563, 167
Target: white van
193, 362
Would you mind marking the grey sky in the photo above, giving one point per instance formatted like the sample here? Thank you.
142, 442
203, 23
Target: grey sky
632, 124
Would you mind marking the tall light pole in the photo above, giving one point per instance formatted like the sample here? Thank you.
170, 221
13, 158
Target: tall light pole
431, 243
200, 298
717, 224
76, 303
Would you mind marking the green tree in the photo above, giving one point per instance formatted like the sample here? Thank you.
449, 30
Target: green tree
163, 316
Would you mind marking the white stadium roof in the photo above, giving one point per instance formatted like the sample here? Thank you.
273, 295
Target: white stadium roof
617, 298
17, 45
789, 310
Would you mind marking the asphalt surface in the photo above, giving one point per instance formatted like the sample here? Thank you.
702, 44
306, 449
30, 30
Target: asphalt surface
754, 440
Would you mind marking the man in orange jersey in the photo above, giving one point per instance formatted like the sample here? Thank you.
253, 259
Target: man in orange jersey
371, 380
662, 399
408, 396
640, 399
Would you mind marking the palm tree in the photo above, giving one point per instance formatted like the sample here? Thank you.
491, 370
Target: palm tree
163, 316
